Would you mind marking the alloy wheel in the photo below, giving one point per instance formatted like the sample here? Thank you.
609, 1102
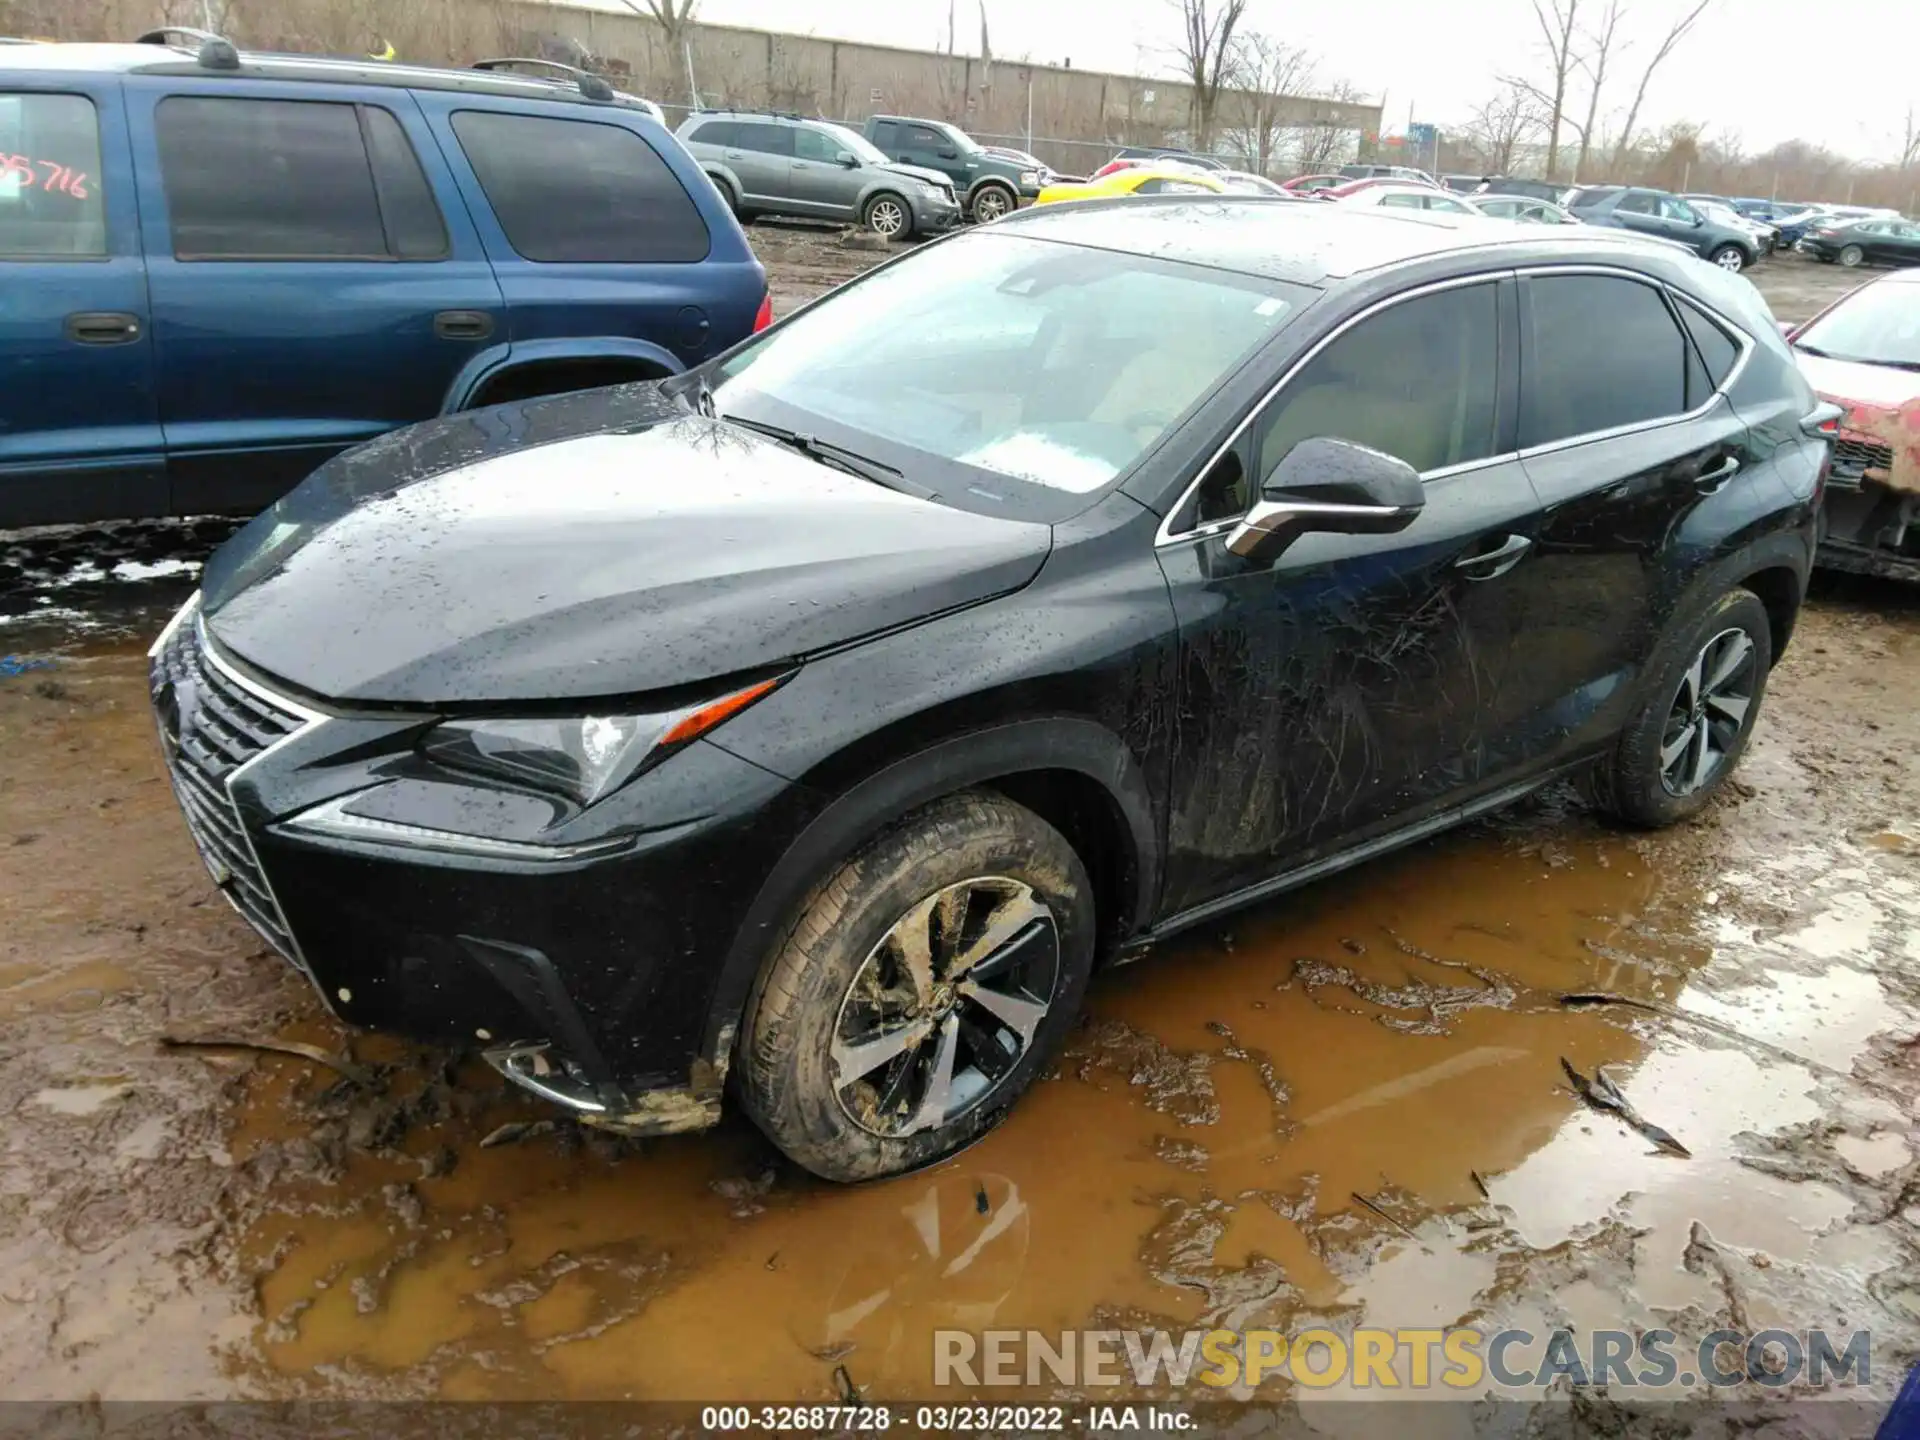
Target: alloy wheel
1852, 256
990, 204
887, 218
1731, 259
945, 1007
1708, 714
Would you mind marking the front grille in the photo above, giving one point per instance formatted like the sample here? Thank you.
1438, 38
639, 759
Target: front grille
1855, 457
210, 726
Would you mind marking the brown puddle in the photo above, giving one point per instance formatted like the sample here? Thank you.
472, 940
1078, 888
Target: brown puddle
1395, 1035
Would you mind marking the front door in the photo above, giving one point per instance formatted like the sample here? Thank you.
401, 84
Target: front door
312, 286
79, 428
821, 180
1345, 688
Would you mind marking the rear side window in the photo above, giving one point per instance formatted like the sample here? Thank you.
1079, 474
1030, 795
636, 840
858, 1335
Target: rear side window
1418, 381
766, 139
51, 205
1600, 352
292, 180
883, 132
1716, 350
576, 191
717, 132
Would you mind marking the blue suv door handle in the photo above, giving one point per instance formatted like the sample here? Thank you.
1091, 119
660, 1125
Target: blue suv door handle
463, 325
102, 327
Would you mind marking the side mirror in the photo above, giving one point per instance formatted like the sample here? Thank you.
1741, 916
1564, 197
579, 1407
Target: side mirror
948, 154
848, 159
1331, 486
1787, 327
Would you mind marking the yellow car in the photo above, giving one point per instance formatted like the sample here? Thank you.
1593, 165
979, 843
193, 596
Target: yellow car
1136, 180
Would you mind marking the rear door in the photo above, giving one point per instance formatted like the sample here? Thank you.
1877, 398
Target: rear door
1625, 436
79, 427
591, 233
313, 283
762, 156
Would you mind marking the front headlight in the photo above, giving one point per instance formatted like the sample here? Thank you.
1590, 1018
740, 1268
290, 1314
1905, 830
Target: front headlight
584, 757
1029, 177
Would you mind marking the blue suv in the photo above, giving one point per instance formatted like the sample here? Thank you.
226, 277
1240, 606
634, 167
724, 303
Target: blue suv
222, 268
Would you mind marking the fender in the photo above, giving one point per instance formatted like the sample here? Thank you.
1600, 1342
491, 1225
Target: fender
1781, 550
496, 360
1062, 743
998, 180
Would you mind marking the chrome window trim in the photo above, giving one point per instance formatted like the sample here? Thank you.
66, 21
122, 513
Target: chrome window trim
1673, 298
1164, 536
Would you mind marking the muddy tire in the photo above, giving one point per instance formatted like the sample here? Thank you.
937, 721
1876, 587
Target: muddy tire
888, 216
990, 202
919, 990
1679, 750
1851, 256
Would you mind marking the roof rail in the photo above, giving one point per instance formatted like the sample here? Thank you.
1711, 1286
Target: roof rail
213, 52
590, 85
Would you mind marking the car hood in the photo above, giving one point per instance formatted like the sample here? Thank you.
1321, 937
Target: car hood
1882, 403
608, 563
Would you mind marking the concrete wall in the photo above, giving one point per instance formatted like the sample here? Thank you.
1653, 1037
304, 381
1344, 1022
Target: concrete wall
842, 79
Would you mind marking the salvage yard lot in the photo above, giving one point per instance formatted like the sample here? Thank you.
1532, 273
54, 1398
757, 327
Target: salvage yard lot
214, 1222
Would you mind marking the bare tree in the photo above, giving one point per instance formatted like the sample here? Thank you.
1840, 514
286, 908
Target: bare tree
675, 19
1557, 20
1594, 62
1324, 138
1910, 143
1206, 55
1267, 73
1502, 124
1675, 35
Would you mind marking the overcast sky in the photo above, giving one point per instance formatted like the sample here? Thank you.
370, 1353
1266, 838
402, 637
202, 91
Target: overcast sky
1841, 74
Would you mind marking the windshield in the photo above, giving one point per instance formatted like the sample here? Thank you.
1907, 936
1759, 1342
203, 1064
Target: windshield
1049, 365
1879, 325
856, 142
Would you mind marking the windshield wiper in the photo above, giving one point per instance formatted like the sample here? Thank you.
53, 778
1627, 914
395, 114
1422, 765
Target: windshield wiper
838, 457
1857, 359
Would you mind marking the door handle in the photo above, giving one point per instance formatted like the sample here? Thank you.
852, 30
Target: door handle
1713, 481
463, 325
1492, 564
102, 327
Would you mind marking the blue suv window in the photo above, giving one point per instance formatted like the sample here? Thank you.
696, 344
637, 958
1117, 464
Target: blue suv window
50, 201
254, 179
577, 191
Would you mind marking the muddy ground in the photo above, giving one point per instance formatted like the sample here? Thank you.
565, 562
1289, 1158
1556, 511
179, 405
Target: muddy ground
1348, 1106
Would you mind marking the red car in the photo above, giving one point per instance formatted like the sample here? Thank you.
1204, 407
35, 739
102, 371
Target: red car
1311, 184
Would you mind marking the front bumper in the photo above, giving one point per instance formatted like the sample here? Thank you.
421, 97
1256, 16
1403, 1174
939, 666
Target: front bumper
934, 215
588, 977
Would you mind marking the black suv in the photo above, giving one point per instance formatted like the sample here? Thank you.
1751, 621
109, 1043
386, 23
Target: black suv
815, 723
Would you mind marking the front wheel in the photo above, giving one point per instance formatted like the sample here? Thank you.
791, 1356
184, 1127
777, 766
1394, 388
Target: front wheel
1680, 749
1730, 257
1852, 256
887, 216
920, 990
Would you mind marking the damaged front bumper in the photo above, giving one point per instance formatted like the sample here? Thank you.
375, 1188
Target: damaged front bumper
1870, 522
585, 971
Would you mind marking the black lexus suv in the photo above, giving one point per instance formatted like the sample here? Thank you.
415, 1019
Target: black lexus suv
809, 727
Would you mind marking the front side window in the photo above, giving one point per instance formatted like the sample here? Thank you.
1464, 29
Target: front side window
1679, 210
1404, 202
1418, 381
1600, 352
576, 191
921, 138
51, 203
1054, 365
250, 179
